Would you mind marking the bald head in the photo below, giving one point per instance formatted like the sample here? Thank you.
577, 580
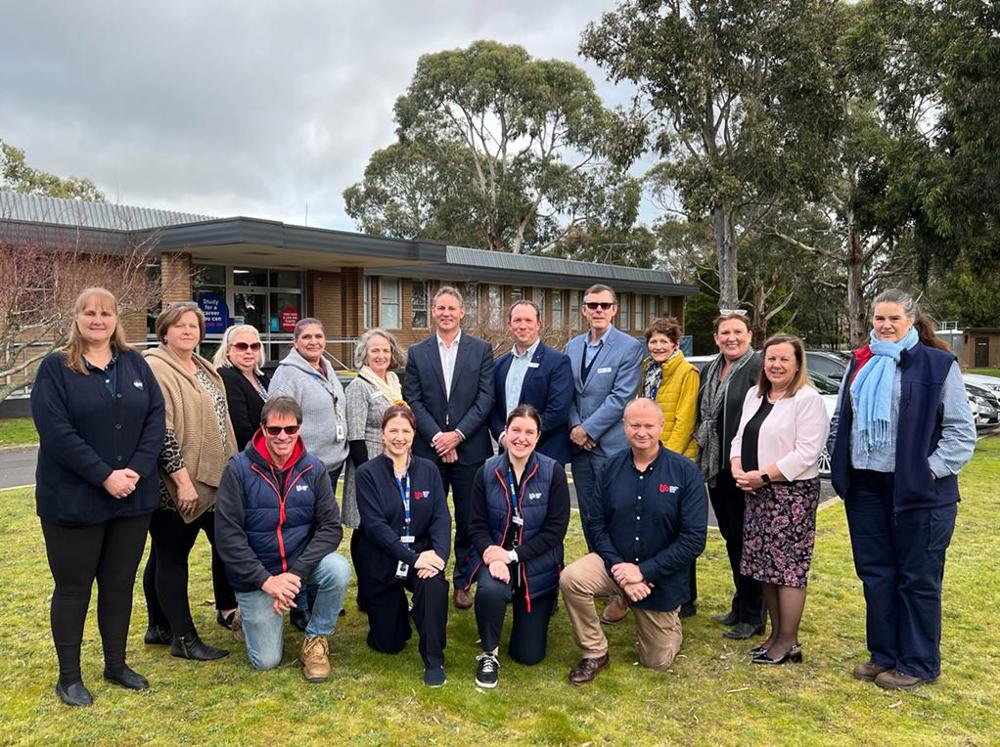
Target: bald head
643, 422
644, 405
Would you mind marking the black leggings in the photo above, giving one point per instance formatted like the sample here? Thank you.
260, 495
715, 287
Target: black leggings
165, 580
110, 553
729, 503
530, 632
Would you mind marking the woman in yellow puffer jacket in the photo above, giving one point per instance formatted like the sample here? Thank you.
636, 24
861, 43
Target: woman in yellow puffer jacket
670, 381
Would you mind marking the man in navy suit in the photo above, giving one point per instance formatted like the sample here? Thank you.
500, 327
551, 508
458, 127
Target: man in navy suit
533, 373
449, 387
606, 365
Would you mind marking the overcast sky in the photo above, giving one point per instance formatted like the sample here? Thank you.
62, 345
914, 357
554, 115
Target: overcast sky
253, 108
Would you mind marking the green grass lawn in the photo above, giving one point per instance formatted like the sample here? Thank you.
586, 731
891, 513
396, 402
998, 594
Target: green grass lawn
712, 695
985, 371
17, 432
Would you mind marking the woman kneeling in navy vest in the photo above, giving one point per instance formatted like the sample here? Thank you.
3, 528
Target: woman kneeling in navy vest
519, 517
403, 544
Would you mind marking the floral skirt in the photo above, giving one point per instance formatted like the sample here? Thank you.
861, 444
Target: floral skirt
779, 529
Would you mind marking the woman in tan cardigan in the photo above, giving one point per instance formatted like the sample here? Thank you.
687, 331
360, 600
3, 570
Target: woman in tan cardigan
670, 381
198, 444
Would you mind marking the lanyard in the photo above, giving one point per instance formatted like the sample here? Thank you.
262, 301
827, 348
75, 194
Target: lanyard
515, 499
404, 493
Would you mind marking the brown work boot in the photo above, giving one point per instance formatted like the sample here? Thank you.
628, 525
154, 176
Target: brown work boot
315, 658
462, 598
615, 611
587, 669
893, 679
868, 671
238, 626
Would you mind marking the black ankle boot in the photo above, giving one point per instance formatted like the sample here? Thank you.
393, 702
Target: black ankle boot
157, 635
127, 678
191, 647
74, 694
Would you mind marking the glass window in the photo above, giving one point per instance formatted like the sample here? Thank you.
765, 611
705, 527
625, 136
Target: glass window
285, 311
624, 307
557, 309
203, 276
286, 279
575, 318
516, 294
538, 296
418, 303
390, 303
369, 292
470, 295
496, 307
249, 277
639, 320
251, 307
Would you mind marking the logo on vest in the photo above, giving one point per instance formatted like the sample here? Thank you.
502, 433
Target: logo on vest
668, 488
301, 488
418, 494
534, 496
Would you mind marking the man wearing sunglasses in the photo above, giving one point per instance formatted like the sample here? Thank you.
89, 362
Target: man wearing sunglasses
606, 364
277, 527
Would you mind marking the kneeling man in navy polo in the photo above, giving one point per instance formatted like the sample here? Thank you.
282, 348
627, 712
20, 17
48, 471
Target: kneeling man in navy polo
648, 529
277, 527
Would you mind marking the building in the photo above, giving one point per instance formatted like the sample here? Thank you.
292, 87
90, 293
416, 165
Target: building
270, 274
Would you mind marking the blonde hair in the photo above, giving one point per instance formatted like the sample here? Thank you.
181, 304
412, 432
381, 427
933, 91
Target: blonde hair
221, 358
801, 378
75, 344
396, 357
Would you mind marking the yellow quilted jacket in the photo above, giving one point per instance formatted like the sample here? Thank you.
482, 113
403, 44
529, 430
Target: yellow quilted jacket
678, 398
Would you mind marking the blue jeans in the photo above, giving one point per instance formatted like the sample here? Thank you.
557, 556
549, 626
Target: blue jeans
587, 466
264, 630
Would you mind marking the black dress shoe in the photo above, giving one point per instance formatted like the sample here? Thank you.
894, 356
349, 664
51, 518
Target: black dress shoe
744, 630
191, 647
729, 618
75, 694
157, 635
127, 678
688, 609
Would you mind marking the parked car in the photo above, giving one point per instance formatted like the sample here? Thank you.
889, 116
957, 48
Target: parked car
985, 406
830, 363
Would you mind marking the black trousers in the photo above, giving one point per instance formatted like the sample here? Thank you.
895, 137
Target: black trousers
165, 580
110, 553
729, 502
389, 620
459, 479
530, 631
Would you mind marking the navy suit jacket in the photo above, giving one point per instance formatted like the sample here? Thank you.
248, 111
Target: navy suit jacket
467, 409
548, 385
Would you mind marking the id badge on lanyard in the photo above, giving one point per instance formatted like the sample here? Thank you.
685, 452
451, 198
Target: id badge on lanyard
404, 493
515, 500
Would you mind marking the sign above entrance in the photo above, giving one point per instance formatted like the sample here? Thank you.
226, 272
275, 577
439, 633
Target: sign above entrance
288, 317
216, 311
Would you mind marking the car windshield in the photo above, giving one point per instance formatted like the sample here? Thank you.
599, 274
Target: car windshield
823, 384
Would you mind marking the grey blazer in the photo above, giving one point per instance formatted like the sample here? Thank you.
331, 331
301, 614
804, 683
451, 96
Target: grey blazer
599, 402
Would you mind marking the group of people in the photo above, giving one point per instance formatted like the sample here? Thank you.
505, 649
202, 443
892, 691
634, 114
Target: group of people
166, 443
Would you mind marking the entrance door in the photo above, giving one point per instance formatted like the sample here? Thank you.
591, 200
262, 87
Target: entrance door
982, 356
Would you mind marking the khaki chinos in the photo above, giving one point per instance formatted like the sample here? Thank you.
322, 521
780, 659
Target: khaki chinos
659, 633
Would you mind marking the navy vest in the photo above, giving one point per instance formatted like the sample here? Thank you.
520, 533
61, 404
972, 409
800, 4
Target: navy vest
540, 575
280, 507
923, 373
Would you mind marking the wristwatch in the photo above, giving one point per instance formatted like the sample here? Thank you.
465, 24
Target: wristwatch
765, 477
512, 556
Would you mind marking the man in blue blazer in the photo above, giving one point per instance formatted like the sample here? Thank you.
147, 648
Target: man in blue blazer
533, 373
449, 387
606, 365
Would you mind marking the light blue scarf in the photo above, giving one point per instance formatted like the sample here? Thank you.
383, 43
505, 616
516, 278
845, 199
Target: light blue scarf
872, 390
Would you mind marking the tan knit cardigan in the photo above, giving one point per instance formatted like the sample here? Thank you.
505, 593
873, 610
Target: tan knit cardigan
191, 416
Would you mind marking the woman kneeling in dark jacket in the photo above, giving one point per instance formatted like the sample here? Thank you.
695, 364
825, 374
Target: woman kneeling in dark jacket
519, 517
405, 535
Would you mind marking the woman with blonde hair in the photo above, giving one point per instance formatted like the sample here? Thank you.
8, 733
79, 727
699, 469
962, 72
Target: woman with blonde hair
100, 421
239, 360
198, 443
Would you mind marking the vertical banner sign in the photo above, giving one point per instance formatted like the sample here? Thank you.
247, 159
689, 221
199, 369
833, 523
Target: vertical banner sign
216, 312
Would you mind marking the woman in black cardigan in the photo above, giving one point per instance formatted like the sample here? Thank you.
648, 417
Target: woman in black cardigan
100, 419
239, 360
405, 535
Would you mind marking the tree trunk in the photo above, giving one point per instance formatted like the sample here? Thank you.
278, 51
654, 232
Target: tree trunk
725, 252
857, 319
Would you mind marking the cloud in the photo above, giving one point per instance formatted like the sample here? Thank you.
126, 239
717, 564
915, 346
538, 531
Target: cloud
239, 108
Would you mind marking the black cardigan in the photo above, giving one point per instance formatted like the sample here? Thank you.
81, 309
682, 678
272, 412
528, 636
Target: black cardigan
85, 432
244, 403
378, 548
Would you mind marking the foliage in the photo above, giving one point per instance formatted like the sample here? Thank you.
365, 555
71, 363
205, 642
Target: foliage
495, 149
735, 97
18, 176
711, 695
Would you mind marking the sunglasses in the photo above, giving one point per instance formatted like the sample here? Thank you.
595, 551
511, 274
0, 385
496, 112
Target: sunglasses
727, 312
595, 305
245, 346
275, 430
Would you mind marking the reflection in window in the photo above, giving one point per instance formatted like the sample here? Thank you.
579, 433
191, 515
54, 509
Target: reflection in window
390, 303
249, 277
418, 303
623, 311
639, 321
369, 294
557, 309
251, 307
575, 318
496, 307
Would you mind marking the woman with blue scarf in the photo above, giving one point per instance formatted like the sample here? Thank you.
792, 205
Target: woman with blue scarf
903, 431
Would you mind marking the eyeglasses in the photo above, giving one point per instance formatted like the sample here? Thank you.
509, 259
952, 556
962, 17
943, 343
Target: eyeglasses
727, 312
595, 305
245, 346
274, 430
